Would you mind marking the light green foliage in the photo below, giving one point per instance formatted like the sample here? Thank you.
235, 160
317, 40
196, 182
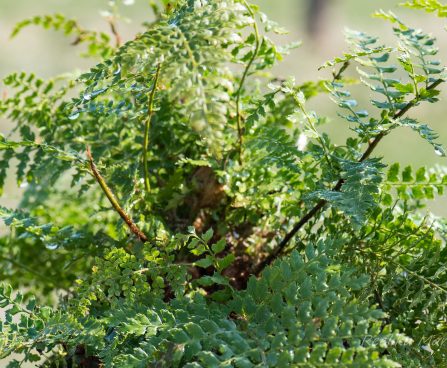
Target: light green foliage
431, 6
421, 184
98, 43
192, 49
184, 209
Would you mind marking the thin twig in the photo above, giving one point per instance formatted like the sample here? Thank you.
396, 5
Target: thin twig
244, 76
315, 210
114, 202
114, 29
337, 76
147, 126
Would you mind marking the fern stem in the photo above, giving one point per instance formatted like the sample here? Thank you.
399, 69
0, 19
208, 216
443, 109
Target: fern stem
320, 205
415, 274
114, 30
112, 199
397, 115
337, 76
147, 125
242, 82
314, 130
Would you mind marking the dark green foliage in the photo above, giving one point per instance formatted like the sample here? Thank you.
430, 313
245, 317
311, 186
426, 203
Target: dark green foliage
298, 303
184, 215
356, 198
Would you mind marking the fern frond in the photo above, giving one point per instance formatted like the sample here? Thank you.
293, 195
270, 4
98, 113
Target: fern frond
356, 198
98, 43
272, 147
419, 185
430, 6
192, 47
303, 310
425, 133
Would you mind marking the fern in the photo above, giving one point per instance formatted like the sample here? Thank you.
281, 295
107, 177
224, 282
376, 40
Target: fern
187, 209
189, 47
98, 43
422, 184
304, 304
431, 6
361, 183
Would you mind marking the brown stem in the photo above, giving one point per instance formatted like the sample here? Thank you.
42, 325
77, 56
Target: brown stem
113, 28
114, 202
337, 76
315, 210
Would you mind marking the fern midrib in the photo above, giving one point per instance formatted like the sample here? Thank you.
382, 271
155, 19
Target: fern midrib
320, 205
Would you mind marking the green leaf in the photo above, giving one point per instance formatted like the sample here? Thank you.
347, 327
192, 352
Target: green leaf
204, 262
219, 246
208, 235
393, 173
223, 263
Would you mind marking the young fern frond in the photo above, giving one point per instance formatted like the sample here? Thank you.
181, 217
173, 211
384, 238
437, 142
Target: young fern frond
98, 43
193, 44
430, 6
147, 123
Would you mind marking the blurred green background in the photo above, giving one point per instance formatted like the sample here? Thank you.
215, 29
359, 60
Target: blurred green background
49, 53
